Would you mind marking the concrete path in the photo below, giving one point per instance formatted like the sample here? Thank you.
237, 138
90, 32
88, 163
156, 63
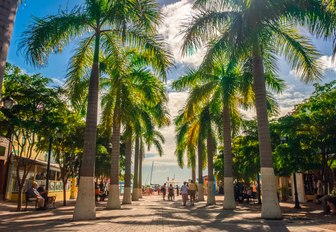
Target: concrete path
152, 214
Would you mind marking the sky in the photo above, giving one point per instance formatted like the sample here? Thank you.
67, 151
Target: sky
176, 12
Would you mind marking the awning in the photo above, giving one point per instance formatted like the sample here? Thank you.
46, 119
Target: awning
44, 164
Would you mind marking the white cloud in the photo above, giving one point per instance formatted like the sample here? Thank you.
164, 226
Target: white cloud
168, 161
175, 15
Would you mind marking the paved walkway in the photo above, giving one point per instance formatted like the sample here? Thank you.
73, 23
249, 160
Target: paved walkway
152, 214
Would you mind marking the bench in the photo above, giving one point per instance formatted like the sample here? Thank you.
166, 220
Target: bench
30, 199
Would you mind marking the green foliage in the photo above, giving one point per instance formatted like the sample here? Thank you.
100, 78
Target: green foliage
305, 139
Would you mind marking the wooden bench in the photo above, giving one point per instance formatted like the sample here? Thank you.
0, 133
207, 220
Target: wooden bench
30, 199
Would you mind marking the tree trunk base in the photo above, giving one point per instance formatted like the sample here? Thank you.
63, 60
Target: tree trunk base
200, 192
270, 208
127, 196
135, 194
229, 200
211, 194
140, 192
85, 208
113, 198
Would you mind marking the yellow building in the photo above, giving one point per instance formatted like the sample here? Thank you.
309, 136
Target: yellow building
37, 173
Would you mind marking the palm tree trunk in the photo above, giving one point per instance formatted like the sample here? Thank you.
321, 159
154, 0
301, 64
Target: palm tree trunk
200, 171
210, 188
140, 171
85, 208
229, 201
8, 10
193, 173
135, 193
128, 162
270, 205
113, 198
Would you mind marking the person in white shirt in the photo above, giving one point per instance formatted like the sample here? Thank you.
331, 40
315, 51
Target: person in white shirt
184, 193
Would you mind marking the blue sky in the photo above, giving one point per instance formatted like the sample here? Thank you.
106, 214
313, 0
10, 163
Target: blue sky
176, 11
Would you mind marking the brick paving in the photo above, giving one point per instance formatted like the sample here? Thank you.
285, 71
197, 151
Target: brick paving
151, 214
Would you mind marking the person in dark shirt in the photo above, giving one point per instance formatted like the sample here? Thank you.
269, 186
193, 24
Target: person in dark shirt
43, 193
32, 193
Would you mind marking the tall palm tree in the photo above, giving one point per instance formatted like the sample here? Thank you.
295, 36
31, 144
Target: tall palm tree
94, 21
128, 162
135, 192
230, 83
192, 129
251, 28
8, 13
134, 95
156, 139
186, 142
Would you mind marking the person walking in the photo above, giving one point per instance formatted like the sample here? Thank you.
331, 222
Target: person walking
164, 190
184, 193
177, 190
192, 192
170, 192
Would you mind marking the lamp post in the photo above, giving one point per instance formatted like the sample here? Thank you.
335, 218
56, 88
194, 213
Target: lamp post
49, 158
296, 197
7, 103
48, 165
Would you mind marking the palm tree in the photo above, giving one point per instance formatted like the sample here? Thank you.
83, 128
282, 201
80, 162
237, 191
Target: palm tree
153, 138
186, 143
230, 83
134, 96
8, 13
135, 192
192, 129
94, 22
251, 28
128, 162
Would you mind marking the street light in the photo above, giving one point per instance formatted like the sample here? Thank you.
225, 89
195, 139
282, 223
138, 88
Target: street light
296, 197
58, 135
7, 103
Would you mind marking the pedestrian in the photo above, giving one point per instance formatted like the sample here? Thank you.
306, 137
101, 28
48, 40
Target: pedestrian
177, 190
163, 190
170, 192
192, 192
184, 193
97, 191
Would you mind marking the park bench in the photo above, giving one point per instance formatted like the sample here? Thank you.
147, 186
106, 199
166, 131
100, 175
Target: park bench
30, 199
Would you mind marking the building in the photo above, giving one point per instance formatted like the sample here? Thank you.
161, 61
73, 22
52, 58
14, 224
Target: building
37, 172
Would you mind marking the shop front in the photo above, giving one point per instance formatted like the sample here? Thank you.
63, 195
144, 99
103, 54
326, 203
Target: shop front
37, 174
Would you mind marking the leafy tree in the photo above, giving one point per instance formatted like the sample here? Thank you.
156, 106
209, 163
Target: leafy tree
68, 147
94, 23
308, 135
34, 114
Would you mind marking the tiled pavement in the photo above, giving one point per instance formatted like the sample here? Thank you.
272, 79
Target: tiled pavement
153, 214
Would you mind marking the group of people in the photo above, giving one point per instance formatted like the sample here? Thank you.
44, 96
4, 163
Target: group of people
43, 200
187, 189
101, 190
